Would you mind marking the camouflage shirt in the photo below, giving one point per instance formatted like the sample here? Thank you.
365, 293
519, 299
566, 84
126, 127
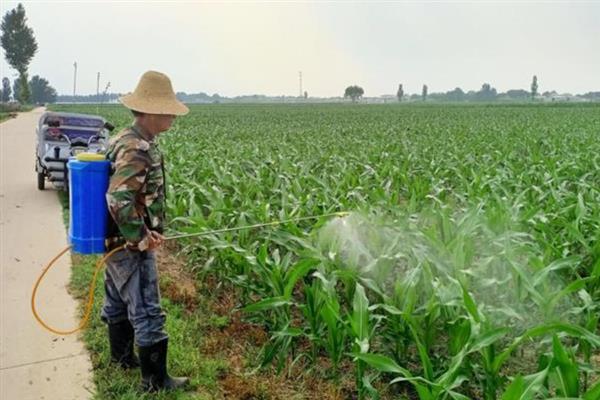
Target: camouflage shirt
136, 192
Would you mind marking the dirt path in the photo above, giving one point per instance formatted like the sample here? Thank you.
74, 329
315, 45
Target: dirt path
34, 364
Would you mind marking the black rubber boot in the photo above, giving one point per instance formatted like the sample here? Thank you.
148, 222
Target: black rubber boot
121, 337
153, 361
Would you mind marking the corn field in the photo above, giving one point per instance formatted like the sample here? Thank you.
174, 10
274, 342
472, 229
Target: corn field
468, 267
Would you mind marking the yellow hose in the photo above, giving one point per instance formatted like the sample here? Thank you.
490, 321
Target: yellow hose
102, 261
90, 301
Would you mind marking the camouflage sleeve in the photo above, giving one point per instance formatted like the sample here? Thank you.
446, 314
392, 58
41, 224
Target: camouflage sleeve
124, 197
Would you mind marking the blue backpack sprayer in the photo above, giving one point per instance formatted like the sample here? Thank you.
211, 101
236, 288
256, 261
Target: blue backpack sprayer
88, 213
89, 175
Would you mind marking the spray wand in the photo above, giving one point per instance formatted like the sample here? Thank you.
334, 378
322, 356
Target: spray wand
102, 261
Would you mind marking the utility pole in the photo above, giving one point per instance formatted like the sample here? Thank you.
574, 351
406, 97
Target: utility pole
97, 93
300, 82
74, 80
105, 90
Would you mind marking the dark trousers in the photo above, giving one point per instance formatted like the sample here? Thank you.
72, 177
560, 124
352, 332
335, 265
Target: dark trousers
131, 292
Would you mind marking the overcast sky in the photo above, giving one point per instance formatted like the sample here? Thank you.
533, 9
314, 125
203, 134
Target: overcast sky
246, 48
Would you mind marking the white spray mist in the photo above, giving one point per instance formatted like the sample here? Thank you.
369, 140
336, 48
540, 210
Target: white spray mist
438, 253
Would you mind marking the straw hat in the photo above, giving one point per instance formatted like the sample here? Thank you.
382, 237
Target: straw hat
154, 95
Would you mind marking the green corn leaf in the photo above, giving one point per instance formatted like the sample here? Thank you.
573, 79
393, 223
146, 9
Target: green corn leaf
488, 338
360, 314
382, 363
459, 380
563, 263
288, 331
525, 388
457, 396
267, 304
593, 393
262, 256
449, 376
331, 312
515, 389
459, 333
470, 305
389, 309
566, 370
373, 394
570, 329
297, 272
423, 352
386, 364
580, 209
571, 288
596, 269
420, 384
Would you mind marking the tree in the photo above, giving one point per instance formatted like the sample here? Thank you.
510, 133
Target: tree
6, 91
534, 87
424, 93
354, 92
41, 91
24, 90
455, 95
594, 96
487, 93
19, 46
517, 94
400, 93
21, 91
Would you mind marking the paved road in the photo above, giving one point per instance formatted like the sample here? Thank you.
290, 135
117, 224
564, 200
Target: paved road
34, 364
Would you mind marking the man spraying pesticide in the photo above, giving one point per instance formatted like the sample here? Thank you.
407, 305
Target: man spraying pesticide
131, 181
136, 202
130, 230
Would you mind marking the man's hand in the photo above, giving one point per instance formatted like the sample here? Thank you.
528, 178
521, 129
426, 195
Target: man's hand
156, 240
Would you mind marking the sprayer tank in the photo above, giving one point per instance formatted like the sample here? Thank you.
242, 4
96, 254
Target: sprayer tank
88, 213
